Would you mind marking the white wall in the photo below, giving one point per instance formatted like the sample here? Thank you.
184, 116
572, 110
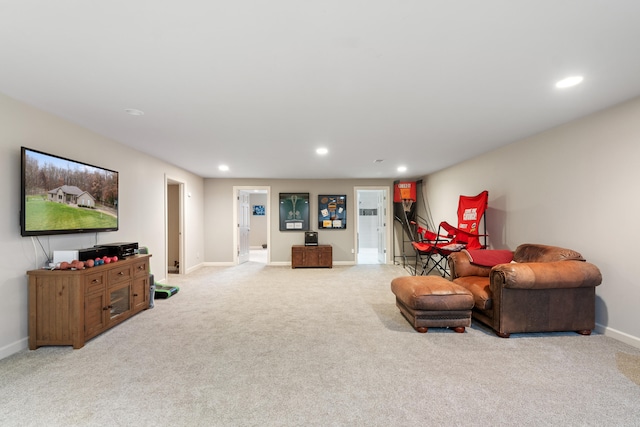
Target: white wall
574, 186
141, 205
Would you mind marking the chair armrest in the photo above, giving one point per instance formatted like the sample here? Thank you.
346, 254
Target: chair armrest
454, 231
460, 266
545, 275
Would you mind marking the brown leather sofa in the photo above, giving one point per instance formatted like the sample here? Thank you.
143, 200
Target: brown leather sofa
544, 289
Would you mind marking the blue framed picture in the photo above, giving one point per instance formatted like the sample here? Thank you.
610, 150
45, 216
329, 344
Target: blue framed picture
258, 210
332, 211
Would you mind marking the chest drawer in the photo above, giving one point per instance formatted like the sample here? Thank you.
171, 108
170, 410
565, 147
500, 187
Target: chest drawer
94, 283
119, 274
141, 268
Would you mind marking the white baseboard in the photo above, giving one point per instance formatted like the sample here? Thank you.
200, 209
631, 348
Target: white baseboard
195, 267
618, 335
273, 263
14, 348
336, 263
218, 264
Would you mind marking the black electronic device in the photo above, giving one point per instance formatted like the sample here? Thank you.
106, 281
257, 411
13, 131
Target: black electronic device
311, 238
92, 253
121, 249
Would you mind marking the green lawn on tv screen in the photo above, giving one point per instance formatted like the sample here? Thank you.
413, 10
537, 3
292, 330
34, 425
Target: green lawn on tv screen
45, 215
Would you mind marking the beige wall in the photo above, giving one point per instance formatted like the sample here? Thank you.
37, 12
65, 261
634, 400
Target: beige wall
574, 186
259, 224
141, 205
568, 186
219, 229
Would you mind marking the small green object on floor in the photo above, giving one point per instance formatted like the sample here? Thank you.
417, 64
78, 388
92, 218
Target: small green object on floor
165, 291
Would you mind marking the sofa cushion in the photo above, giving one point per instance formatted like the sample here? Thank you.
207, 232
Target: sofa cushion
431, 293
488, 257
529, 252
479, 287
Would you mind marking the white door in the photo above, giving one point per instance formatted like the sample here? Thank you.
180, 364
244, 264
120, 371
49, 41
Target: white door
371, 226
382, 227
243, 226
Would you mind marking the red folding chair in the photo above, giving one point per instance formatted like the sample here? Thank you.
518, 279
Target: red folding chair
433, 250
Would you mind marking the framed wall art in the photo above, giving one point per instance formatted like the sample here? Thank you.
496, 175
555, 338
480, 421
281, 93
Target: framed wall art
294, 211
332, 212
258, 210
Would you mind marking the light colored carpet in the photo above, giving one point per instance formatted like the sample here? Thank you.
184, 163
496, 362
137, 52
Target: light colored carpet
629, 365
254, 345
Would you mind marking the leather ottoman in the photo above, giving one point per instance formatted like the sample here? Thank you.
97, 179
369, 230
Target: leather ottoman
432, 301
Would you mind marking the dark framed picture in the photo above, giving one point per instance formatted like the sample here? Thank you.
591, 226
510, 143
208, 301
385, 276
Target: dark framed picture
294, 211
332, 212
258, 210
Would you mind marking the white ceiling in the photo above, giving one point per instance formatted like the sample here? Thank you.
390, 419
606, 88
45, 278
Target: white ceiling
259, 85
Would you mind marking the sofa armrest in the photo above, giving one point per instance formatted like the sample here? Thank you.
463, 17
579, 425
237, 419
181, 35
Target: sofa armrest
545, 275
460, 266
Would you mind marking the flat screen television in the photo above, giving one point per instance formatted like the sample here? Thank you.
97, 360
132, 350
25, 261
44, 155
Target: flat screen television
63, 196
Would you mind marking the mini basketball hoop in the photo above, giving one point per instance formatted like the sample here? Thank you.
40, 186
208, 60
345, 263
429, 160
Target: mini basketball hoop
406, 204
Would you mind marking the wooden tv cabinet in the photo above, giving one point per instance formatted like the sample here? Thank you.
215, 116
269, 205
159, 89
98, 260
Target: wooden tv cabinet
311, 256
69, 307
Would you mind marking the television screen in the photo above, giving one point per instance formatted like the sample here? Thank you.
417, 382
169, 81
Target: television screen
61, 196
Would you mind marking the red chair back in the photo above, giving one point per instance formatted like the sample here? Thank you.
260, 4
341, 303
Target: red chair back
471, 210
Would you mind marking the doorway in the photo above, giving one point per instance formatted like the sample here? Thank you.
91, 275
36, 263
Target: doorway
371, 225
174, 192
251, 221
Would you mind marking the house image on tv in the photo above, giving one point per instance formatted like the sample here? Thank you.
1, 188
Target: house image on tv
72, 195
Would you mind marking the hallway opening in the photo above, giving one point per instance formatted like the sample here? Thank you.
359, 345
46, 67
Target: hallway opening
371, 226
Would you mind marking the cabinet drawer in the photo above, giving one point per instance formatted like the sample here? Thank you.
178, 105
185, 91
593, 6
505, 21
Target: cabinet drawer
119, 274
141, 268
94, 283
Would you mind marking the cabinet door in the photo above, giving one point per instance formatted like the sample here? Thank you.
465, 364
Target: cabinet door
140, 290
95, 309
325, 257
119, 302
312, 257
297, 257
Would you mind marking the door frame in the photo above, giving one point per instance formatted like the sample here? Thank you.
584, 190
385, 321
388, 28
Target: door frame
387, 227
243, 202
235, 195
173, 181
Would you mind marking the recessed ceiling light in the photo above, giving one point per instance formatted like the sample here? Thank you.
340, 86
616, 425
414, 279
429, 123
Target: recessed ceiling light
134, 112
569, 81
402, 169
223, 168
322, 151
